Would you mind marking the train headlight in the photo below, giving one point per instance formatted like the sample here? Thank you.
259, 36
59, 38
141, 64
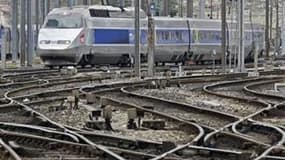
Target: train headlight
63, 42
44, 42
82, 39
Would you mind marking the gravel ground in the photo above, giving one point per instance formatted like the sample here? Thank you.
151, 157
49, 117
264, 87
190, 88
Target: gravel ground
189, 114
51, 88
77, 118
74, 118
200, 99
16, 117
170, 133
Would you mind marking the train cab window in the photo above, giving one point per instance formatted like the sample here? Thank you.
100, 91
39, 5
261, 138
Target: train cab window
64, 21
99, 13
52, 23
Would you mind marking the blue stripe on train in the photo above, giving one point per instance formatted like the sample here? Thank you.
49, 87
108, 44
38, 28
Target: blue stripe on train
163, 36
117, 36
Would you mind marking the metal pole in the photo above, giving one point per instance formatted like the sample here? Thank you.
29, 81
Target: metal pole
271, 19
277, 42
85, 2
3, 47
211, 14
137, 56
14, 30
30, 34
133, 3
267, 40
241, 36
37, 21
202, 9
190, 8
181, 8
165, 7
56, 4
256, 49
70, 3
23, 33
283, 27
151, 42
47, 7
223, 49
121, 3
42, 10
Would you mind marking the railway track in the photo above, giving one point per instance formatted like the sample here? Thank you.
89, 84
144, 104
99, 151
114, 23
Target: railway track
255, 130
213, 131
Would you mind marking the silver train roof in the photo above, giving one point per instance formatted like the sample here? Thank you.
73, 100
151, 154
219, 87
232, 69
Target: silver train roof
84, 10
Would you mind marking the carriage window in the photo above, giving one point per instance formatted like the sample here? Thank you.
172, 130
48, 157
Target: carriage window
64, 21
179, 36
99, 13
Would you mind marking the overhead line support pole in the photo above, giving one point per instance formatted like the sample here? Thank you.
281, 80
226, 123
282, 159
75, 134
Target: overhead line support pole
202, 9
267, 27
277, 41
30, 44
165, 7
223, 47
283, 27
151, 41
137, 57
23, 33
190, 8
37, 21
14, 30
241, 57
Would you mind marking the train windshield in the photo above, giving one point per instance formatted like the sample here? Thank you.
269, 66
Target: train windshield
64, 21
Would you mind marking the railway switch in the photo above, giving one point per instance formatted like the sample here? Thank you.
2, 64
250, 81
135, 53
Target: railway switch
95, 114
140, 114
132, 115
75, 93
107, 114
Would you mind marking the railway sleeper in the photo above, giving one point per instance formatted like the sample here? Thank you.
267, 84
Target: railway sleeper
193, 152
25, 144
122, 142
33, 130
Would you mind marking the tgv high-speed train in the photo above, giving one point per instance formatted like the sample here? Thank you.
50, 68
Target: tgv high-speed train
105, 35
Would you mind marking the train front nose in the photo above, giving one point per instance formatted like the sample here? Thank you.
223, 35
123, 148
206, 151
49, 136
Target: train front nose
59, 46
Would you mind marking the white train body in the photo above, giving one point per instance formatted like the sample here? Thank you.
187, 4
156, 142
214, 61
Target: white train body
105, 35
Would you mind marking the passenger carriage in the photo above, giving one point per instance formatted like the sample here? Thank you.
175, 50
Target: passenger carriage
99, 35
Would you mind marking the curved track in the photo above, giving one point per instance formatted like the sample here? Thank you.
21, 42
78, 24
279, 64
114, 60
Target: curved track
38, 120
